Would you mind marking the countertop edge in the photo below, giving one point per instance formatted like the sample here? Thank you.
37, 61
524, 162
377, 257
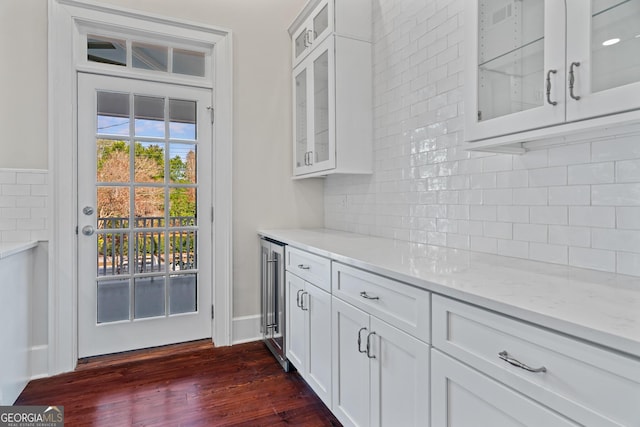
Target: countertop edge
594, 336
8, 249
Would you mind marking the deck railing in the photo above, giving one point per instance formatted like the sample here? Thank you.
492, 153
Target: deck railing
149, 247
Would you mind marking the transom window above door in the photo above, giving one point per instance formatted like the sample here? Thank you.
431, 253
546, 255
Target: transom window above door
147, 55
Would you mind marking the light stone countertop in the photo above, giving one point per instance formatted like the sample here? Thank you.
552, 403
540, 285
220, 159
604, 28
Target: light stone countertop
11, 248
602, 308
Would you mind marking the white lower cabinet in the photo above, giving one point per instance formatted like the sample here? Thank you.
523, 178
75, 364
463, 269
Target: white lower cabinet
380, 374
463, 397
308, 344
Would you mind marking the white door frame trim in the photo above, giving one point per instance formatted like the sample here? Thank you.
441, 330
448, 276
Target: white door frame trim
62, 143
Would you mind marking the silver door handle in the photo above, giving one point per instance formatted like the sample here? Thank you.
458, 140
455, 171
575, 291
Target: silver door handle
549, 87
88, 230
572, 80
364, 295
304, 267
302, 301
505, 356
369, 355
298, 298
360, 340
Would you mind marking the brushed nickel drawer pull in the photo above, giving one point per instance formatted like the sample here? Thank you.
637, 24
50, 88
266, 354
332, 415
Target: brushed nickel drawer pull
505, 356
303, 267
363, 294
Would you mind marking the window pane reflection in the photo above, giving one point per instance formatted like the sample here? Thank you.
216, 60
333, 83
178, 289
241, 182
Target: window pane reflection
182, 293
149, 162
106, 50
113, 113
182, 119
182, 163
149, 116
112, 161
188, 62
149, 297
149, 57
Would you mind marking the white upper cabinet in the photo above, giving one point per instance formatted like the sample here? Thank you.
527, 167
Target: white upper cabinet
332, 88
547, 68
319, 18
603, 46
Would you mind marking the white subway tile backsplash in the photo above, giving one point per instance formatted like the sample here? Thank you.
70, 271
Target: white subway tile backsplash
513, 213
616, 240
483, 213
570, 154
593, 258
628, 171
513, 248
628, 218
594, 173
499, 162
589, 216
556, 254
627, 147
23, 205
576, 204
500, 230
530, 232
530, 196
628, 263
570, 195
616, 194
484, 244
570, 236
547, 177
549, 215
513, 179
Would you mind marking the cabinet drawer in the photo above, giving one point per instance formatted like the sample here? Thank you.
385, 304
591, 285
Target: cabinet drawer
403, 306
310, 267
589, 384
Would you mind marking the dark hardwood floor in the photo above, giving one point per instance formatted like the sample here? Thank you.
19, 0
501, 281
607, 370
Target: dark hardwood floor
192, 384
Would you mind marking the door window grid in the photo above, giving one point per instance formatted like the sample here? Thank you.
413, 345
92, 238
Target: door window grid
148, 278
142, 55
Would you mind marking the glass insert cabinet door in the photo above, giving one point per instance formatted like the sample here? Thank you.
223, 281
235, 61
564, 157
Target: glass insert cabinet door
516, 66
143, 189
603, 51
313, 93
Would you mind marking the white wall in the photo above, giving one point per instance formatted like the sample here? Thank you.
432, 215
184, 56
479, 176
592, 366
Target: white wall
23, 84
576, 205
264, 195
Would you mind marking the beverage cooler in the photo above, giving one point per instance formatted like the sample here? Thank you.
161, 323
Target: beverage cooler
272, 295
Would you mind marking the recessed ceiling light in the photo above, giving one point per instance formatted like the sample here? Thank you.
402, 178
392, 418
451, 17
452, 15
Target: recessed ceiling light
610, 42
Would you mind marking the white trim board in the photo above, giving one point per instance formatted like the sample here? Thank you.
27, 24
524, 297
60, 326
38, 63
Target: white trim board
64, 18
246, 329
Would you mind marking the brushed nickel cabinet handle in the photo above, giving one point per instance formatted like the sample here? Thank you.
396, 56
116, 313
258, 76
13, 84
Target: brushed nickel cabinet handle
369, 355
302, 301
303, 267
360, 340
549, 87
505, 356
572, 80
298, 298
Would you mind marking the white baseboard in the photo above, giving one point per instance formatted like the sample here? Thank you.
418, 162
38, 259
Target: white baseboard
39, 361
246, 329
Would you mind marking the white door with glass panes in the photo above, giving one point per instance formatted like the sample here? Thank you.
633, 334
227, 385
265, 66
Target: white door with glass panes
516, 66
144, 214
314, 113
603, 57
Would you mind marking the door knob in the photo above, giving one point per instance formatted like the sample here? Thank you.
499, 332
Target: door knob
87, 230
87, 210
